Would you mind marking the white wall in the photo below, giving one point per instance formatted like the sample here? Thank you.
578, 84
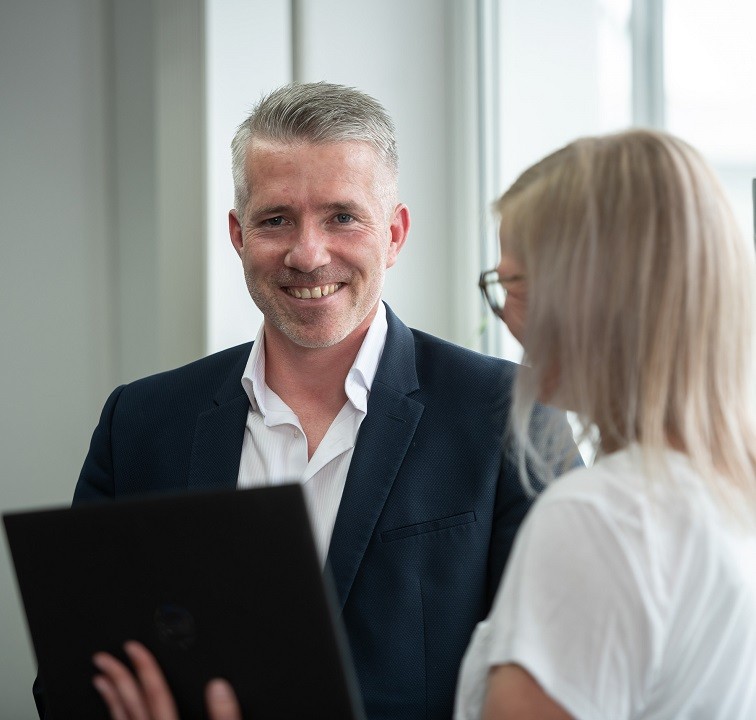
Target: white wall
101, 239
56, 354
156, 104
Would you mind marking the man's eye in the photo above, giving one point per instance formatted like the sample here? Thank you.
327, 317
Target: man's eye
274, 221
343, 218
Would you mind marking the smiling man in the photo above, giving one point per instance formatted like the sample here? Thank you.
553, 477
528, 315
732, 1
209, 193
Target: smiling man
395, 435
323, 222
321, 225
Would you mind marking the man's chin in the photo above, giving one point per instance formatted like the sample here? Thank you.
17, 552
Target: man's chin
313, 335
320, 329
313, 341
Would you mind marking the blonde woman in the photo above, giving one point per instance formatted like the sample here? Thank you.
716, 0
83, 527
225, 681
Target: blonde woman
631, 592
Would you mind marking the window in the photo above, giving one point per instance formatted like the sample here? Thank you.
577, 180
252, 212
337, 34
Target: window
710, 89
563, 70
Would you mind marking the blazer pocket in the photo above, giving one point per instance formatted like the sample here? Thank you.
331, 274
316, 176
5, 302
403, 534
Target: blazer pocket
428, 526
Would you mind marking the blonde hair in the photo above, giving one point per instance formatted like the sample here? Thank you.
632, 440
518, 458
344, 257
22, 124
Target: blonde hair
640, 302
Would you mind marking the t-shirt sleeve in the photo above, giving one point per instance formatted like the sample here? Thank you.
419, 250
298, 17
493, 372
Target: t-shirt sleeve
573, 608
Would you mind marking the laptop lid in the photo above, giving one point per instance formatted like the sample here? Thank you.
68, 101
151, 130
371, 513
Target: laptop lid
223, 584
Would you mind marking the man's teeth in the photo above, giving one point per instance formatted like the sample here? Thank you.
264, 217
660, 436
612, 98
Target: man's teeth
314, 292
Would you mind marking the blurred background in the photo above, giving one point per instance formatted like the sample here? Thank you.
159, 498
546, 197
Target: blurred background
115, 123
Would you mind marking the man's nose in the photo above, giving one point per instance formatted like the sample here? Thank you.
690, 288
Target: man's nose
309, 251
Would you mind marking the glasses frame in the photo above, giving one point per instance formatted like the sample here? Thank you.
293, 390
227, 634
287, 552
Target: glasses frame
488, 279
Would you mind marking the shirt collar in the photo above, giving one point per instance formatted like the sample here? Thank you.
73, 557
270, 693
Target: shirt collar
358, 381
360, 377
254, 373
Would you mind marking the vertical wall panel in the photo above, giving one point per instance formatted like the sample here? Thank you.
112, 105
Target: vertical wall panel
180, 180
159, 139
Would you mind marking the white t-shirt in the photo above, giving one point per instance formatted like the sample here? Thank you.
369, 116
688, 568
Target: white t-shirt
626, 598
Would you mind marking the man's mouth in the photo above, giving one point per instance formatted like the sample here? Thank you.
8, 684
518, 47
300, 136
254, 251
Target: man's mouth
307, 293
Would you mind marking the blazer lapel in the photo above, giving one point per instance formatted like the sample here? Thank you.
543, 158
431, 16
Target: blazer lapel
219, 433
383, 440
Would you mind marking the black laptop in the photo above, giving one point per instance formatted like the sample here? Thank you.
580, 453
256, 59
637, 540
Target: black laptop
224, 584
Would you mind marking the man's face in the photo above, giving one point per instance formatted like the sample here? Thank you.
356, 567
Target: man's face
319, 230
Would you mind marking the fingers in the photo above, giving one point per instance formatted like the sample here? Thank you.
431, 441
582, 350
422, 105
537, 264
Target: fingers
119, 689
144, 696
154, 686
221, 701
111, 697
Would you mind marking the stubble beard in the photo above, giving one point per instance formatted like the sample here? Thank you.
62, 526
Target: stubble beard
307, 328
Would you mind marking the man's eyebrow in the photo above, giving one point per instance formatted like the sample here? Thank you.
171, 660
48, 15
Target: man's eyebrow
346, 206
269, 211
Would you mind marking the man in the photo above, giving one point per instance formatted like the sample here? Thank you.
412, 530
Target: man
396, 435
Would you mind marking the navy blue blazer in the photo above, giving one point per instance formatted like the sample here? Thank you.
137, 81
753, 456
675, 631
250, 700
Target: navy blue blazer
428, 515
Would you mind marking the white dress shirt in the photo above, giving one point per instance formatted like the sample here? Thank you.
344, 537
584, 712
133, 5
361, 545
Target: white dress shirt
274, 450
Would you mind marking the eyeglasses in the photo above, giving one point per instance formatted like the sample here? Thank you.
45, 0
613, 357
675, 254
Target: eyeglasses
493, 290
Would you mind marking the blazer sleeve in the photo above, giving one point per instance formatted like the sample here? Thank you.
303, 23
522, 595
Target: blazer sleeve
512, 504
96, 480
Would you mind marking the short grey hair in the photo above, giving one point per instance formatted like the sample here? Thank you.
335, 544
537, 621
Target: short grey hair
317, 113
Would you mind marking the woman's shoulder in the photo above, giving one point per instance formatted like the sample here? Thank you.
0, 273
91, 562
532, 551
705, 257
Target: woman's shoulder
629, 478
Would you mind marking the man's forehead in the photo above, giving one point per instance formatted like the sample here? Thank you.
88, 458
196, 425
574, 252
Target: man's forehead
344, 156
333, 173
270, 146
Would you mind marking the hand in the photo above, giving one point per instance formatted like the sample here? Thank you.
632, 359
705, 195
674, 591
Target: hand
145, 695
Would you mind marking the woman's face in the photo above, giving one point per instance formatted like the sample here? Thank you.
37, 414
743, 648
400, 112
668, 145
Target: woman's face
512, 276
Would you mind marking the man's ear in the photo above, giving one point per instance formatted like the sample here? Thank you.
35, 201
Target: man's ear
400, 225
235, 231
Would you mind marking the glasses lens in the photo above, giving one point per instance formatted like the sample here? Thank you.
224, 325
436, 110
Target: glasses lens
493, 290
496, 294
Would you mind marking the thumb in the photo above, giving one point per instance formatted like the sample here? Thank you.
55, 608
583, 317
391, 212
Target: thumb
221, 701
